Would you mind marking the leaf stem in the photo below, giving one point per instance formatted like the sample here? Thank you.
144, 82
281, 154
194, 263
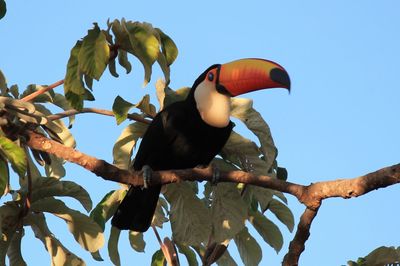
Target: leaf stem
32, 96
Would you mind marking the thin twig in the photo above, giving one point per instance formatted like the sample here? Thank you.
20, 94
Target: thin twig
32, 96
157, 236
72, 112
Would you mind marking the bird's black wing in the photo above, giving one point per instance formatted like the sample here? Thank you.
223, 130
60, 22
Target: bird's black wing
137, 208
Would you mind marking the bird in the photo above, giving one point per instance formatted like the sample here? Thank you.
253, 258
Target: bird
192, 132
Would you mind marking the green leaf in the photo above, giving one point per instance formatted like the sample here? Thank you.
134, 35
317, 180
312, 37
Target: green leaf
190, 219
158, 258
268, 230
97, 256
88, 81
243, 110
168, 47
238, 147
123, 61
94, 54
14, 90
107, 207
138, 39
249, 250
113, 246
59, 254
112, 68
42, 98
3, 81
57, 128
144, 45
4, 177
262, 195
60, 101
123, 147
14, 154
121, 108
14, 250
9, 216
226, 260
136, 241
3, 8
283, 213
282, 173
85, 231
159, 216
383, 256
146, 107
74, 90
228, 212
55, 168
189, 254
50, 187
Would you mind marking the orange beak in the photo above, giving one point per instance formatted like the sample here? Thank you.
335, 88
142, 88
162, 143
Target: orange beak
246, 75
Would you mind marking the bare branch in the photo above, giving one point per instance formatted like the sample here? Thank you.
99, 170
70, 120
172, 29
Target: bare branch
297, 245
72, 112
32, 96
311, 195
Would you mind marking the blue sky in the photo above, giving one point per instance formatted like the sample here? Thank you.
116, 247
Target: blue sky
341, 119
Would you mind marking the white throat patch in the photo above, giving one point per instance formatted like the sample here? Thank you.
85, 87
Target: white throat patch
214, 107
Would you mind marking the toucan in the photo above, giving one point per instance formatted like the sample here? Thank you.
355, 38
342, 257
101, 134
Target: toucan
192, 132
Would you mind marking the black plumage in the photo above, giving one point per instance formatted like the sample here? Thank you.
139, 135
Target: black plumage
177, 138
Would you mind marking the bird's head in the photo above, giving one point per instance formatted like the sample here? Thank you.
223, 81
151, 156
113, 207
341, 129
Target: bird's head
214, 87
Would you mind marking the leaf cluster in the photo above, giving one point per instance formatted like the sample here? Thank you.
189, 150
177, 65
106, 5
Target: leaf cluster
205, 219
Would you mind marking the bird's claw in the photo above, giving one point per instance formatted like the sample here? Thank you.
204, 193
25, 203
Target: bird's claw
147, 176
216, 176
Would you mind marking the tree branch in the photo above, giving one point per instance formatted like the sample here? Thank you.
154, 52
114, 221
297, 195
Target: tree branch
32, 96
297, 245
72, 112
311, 195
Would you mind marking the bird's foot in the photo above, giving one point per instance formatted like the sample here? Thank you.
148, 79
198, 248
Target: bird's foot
147, 176
216, 176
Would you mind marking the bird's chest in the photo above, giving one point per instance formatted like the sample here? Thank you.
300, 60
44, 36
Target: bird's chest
197, 143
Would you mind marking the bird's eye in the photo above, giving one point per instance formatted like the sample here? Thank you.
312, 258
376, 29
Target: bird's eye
210, 76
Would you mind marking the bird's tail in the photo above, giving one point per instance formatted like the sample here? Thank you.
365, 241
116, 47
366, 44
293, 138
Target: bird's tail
137, 209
